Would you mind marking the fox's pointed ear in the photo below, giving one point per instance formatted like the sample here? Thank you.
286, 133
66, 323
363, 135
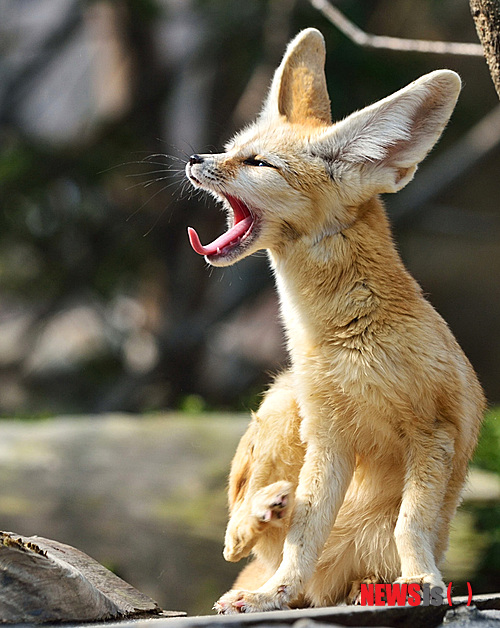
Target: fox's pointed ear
394, 135
298, 90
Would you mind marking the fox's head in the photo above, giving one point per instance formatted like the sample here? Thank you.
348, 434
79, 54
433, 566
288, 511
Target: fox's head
294, 175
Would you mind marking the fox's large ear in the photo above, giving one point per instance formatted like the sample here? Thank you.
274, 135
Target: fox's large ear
392, 136
298, 90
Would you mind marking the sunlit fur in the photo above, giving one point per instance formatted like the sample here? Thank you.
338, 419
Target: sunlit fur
353, 466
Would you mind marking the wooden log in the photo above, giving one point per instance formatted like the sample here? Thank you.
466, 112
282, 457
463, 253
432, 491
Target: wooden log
42, 580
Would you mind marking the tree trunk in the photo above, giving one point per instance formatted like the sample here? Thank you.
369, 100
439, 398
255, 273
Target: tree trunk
486, 14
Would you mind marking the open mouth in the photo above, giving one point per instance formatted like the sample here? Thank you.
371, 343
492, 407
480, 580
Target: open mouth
234, 237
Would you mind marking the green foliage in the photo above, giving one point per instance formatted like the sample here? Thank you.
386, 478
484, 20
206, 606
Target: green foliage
487, 517
488, 450
476, 535
193, 404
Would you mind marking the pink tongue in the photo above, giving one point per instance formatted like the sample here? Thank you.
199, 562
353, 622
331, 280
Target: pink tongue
238, 231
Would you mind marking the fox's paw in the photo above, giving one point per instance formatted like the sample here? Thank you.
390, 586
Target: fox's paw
433, 579
273, 503
270, 506
234, 602
354, 596
240, 538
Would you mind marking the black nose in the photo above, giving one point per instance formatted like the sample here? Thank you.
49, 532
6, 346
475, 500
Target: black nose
196, 159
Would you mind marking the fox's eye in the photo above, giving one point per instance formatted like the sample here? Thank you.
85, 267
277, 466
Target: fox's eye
256, 161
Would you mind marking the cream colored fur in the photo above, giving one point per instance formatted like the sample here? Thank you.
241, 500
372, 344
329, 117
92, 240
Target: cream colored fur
353, 466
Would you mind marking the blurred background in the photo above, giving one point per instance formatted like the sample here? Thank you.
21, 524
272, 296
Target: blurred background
105, 308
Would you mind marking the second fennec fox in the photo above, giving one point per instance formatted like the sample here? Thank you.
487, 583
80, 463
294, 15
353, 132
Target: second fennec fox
353, 466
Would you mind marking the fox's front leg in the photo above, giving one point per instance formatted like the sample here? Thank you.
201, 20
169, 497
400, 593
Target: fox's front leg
429, 467
323, 481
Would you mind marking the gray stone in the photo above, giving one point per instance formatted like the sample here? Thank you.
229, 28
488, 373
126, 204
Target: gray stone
470, 616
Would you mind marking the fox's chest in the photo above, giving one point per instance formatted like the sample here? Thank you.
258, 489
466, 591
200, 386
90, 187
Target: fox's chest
343, 390
370, 431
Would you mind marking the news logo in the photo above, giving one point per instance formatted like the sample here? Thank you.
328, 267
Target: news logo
402, 594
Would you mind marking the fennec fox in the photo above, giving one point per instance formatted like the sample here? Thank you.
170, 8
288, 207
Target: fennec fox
353, 466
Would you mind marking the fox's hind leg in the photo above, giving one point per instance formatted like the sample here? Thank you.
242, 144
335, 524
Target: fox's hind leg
263, 477
269, 507
273, 503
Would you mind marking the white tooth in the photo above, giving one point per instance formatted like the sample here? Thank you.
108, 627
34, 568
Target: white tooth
218, 251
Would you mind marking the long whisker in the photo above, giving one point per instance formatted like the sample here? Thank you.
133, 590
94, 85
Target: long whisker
147, 184
158, 218
142, 174
148, 201
164, 155
170, 166
177, 148
150, 158
140, 162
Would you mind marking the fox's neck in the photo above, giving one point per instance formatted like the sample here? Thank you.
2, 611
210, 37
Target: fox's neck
339, 286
